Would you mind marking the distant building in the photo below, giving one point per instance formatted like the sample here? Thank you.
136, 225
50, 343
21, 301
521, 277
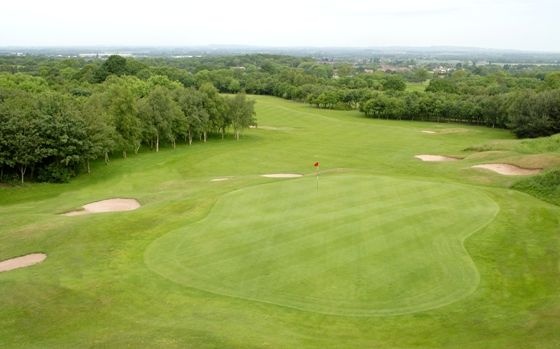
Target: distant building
442, 71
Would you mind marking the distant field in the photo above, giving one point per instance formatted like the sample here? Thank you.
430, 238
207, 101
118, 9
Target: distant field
417, 86
386, 252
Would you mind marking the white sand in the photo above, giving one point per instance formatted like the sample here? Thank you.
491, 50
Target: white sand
282, 175
435, 158
21, 262
219, 179
430, 132
272, 128
508, 170
110, 205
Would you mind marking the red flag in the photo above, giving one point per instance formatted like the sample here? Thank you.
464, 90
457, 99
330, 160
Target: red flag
316, 164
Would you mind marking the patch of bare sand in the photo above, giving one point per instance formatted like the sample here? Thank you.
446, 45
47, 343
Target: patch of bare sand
271, 128
219, 179
282, 175
110, 205
432, 158
509, 170
430, 132
21, 262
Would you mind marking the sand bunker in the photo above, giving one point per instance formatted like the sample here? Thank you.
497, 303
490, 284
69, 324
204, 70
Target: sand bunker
21, 262
509, 170
110, 205
219, 179
430, 132
435, 158
271, 128
282, 175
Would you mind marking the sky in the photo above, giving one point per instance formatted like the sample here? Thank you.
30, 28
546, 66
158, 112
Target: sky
513, 24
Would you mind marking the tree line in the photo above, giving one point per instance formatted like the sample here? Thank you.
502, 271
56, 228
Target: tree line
50, 135
527, 113
123, 103
523, 98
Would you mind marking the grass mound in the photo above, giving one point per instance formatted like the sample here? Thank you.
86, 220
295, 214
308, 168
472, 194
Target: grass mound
539, 145
545, 186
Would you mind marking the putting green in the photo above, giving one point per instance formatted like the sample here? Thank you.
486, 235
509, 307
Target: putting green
361, 245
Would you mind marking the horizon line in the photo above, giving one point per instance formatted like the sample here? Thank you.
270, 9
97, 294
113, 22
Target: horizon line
280, 47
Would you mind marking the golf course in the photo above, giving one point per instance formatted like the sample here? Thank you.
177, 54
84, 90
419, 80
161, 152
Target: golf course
394, 240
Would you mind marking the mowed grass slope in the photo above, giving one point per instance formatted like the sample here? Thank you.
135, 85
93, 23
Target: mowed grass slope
391, 252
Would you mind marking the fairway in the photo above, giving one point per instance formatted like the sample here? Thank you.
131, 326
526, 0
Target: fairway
361, 245
230, 244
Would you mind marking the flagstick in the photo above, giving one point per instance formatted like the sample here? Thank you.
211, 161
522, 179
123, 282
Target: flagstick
316, 165
317, 178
